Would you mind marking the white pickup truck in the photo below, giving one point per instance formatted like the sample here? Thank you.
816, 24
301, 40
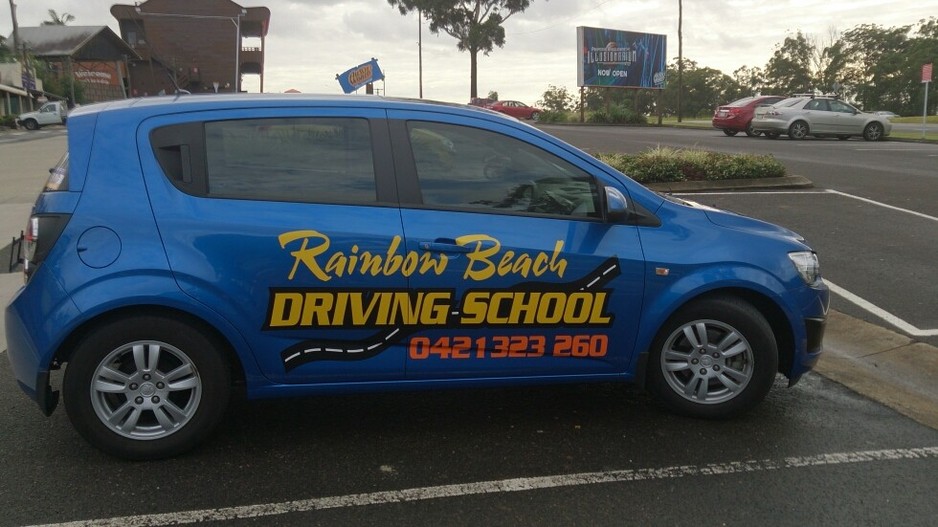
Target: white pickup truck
52, 112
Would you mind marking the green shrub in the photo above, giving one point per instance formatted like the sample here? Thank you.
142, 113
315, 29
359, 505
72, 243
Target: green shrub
616, 115
664, 164
548, 116
7, 121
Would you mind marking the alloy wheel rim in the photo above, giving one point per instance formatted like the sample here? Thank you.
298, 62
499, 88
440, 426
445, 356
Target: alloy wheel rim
146, 390
707, 362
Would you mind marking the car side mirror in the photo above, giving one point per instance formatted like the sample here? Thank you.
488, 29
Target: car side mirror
617, 205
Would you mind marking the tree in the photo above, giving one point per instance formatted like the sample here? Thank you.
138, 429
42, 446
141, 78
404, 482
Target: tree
475, 24
6, 54
493, 95
750, 80
556, 99
58, 20
789, 69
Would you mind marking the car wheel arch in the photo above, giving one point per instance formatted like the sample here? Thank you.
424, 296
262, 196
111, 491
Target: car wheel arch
763, 303
230, 356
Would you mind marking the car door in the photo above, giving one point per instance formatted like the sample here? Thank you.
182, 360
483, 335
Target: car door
296, 217
819, 117
849, 121
532, 282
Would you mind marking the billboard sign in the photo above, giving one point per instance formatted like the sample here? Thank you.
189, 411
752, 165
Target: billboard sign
622, 59
360, 75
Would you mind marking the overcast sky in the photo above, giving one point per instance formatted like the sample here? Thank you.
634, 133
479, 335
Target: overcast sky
310, 41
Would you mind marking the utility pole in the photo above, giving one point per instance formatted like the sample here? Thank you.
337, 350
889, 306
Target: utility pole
680, 56
419, 50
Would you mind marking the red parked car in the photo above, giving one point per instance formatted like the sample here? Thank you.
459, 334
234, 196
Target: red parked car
516, 109
736, 116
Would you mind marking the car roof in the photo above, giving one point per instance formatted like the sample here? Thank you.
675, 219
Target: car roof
174, 103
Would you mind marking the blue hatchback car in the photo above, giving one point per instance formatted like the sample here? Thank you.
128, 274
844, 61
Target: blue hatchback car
188, 248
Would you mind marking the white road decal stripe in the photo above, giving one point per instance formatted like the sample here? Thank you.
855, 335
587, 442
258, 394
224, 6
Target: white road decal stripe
503, 486
880, 312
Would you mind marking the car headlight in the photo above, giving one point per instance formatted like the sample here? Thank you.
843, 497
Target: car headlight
807, 265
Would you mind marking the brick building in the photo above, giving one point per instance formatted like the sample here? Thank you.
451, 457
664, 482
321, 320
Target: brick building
203, 46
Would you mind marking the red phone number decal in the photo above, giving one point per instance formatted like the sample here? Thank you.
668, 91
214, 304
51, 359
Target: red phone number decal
508, 347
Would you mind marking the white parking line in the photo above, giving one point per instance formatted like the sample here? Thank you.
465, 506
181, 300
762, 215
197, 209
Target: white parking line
504, 486
880, 312
843, 293
884, 205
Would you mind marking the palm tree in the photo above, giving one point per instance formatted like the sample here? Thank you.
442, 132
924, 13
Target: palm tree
58, 20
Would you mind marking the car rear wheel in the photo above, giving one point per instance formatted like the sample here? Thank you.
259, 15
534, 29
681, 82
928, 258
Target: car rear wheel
798, 130
873, 132
714, 358
730, 133
146, 387
31, 124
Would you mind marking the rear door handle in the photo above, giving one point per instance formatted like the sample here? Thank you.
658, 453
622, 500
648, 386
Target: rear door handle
441, 245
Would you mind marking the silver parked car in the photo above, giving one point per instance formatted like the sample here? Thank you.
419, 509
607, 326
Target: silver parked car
817, 116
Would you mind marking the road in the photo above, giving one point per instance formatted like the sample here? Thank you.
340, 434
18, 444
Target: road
815, 454
872, 216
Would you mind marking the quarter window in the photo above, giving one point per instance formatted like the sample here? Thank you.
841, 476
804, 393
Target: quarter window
296, 159
468, 168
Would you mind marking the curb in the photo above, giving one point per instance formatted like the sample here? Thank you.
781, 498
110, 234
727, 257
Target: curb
790, 182
883, 365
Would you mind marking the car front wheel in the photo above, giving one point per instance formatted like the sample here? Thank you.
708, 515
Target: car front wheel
146, 387
730, 133
750, 132
873, 132
714, 358
535, 116
31, 124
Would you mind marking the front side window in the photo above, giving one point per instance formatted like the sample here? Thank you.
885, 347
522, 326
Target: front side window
323, 160
469, 168
841, 107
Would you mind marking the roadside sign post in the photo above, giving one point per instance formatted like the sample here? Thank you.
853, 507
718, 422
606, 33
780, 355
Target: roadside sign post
926, 79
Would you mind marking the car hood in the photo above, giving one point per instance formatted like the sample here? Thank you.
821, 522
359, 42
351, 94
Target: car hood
732, 220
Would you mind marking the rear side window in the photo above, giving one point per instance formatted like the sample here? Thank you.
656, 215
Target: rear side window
469, 168
315, 160
294, 159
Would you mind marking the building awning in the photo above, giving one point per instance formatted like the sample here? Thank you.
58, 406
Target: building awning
14, 91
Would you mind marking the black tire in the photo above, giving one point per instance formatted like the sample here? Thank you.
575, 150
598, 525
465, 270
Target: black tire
535, 116
146, 387
749, 131
772, 135
31, 124
726, 372
730, 133
873, 132
798, 130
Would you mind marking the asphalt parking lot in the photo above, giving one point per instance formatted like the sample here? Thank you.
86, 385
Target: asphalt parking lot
820, 453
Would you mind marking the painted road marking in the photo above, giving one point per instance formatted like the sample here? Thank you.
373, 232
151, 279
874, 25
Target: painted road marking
880, 312
843, 293
268, 510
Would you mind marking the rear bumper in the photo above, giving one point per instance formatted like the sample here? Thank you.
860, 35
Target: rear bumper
33, 321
